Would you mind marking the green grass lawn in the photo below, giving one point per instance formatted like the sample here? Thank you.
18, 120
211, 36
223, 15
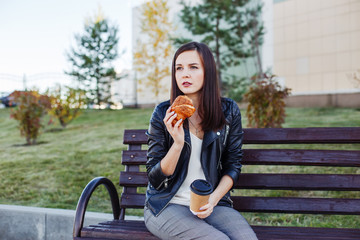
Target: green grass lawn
54, 172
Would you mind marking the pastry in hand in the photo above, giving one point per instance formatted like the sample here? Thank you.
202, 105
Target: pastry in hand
184, 108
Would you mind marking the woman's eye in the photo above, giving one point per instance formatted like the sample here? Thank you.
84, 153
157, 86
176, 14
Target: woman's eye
178, 68
194, 67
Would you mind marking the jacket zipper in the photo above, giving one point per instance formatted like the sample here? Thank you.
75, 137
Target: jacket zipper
219, 161
231, 201
225, 138
165, 183
226, 133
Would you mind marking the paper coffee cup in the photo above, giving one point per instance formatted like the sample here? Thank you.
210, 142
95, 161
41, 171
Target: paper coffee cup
200, 193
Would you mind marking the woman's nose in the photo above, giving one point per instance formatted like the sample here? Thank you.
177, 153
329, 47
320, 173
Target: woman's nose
186, 74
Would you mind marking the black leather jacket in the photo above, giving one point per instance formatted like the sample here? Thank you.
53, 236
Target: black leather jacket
220, 155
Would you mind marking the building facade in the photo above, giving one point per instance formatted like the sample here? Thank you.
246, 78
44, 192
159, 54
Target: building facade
313, 46
316, 48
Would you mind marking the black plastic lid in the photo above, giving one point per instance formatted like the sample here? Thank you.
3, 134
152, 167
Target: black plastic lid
201, 187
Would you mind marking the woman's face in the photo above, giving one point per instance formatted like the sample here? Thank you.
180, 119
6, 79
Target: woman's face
189, 72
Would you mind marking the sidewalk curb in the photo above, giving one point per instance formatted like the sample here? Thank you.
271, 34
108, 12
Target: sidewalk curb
33, 223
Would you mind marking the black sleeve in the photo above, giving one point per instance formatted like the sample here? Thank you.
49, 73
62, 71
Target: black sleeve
158, 148
233, 152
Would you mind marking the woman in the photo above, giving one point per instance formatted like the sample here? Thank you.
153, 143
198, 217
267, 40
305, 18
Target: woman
207, 146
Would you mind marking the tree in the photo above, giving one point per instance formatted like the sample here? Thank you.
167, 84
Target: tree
231, 28
31, 107
266, 106
92, 60
66, 105
152, 57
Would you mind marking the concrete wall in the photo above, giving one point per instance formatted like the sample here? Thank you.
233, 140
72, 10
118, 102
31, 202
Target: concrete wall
32, 223
347, 100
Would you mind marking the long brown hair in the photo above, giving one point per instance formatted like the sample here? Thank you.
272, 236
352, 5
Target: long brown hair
209, 109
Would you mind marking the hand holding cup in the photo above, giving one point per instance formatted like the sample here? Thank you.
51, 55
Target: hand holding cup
199, 195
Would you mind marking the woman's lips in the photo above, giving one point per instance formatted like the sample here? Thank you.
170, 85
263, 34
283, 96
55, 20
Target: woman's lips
186, 84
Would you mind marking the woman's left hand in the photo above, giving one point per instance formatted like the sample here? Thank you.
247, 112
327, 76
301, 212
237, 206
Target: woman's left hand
224, 186
208, 209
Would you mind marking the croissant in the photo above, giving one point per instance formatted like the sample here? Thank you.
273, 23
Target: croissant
184, 108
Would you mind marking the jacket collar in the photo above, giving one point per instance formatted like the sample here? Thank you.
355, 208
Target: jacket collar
209, 136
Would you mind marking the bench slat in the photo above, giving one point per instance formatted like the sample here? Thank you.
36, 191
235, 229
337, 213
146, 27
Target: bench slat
263, 232
127, 223
301, 135
285, 233
133, 157
297, 205
130, 179
329, 182
276, 135
103, 232
338, 158
132, 200
274, 204
315, 182
135, 136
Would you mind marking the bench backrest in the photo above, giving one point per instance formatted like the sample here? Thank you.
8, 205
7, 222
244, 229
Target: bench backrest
271, 147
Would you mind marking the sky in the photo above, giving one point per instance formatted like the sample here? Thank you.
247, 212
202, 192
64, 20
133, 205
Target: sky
34, 35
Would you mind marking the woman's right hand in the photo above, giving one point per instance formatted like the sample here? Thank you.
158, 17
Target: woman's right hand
176, 131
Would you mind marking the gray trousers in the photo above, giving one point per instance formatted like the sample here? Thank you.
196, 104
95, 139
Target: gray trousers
177, 222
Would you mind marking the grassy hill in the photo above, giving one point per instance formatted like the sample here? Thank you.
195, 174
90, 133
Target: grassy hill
54, 172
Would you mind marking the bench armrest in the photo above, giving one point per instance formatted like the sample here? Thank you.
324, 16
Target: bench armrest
85, 197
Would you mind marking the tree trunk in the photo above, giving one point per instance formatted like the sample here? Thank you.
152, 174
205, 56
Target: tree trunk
28, 140
62, 122
256, 51
156, 80
217, 53
98, 78
258, 57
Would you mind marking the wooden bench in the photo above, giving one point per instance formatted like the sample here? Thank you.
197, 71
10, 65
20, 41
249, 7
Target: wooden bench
312, 155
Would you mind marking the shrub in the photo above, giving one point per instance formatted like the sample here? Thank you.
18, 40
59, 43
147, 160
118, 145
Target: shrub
31, 107
266, 106
66, 106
